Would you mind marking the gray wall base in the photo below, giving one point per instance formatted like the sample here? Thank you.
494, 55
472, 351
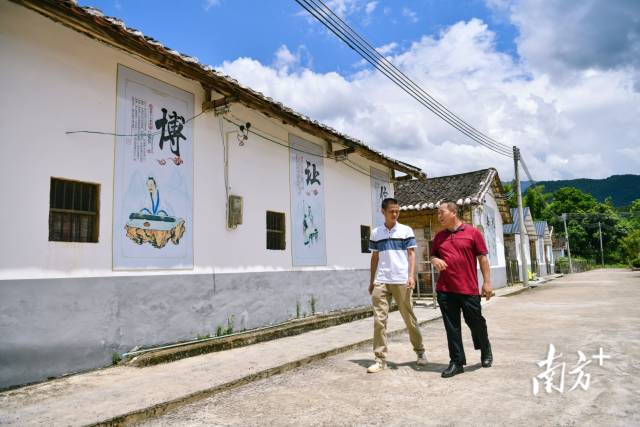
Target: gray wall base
498, 277
50, 327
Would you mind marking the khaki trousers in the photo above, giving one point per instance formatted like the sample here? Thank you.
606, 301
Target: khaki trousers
381, 298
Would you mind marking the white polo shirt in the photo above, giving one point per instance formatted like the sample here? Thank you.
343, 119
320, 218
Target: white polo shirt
392, 245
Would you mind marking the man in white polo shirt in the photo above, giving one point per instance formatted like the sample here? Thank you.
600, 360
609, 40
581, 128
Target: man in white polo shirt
393, 263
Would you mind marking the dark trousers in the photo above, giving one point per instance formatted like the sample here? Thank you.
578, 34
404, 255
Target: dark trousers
450, 305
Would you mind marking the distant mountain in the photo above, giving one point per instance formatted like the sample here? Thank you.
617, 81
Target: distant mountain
526, 184
623, 189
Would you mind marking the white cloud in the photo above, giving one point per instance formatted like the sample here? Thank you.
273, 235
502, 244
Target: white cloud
370, 7
342, 8
387, 48
208, 4
564, 38
345, 9
410, 15
577, 128
286, 61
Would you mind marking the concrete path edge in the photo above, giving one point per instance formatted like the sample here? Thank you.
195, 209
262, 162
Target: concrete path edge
159, 409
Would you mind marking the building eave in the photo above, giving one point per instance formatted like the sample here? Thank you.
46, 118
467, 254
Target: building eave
115, 33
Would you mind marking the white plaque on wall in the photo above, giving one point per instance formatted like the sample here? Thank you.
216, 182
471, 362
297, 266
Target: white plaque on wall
153, 188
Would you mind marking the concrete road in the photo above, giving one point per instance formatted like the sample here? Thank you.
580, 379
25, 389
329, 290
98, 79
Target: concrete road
582, 312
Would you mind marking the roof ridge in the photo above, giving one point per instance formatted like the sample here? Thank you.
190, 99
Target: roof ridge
112, 31
461, 174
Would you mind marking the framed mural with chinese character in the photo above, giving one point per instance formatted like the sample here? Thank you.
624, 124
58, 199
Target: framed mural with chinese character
381, 188
485, 221
308, 233
153, 185
490, 234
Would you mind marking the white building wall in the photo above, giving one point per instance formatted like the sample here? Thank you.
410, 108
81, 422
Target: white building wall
527, 252
550, 253
259, 171
78, 92
540, 251
55, 80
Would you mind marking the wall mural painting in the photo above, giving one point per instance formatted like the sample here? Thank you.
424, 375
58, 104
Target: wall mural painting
381, 188
489, 220
153, 208
307, 203
485, 220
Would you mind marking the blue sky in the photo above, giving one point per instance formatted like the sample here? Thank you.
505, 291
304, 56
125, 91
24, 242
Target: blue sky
559, 79
229, 29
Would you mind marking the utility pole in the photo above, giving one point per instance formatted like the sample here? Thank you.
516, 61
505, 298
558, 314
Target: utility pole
601, 251
523, 231
566, 236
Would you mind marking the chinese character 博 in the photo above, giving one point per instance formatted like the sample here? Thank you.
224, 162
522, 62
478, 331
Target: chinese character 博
171, 130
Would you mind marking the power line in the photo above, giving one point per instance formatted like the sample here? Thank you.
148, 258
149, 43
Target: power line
345, 33
401, 79
526, 170
268, 138
602, 214
289, 147
141, 134
333, 22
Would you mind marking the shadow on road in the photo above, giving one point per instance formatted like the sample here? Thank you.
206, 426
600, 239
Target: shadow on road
430, 367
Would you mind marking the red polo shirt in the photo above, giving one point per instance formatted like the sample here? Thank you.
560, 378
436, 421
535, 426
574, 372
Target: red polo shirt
459, 250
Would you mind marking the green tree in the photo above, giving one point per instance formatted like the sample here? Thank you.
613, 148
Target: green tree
633, 218
630, 245
569, 199
536, 200
585, 217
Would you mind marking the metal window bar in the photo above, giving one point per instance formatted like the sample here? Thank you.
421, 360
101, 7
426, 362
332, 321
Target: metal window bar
365, 233
73, 212
513, 272
427, 287
275, 231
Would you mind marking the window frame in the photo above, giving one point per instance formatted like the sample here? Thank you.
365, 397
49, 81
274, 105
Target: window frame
281, 234
63, 212
364, 239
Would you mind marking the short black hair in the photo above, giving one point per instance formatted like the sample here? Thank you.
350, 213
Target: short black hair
389, 201
450, 205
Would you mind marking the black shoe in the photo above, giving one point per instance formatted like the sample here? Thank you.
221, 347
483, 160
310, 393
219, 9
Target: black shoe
453, 369
486, 358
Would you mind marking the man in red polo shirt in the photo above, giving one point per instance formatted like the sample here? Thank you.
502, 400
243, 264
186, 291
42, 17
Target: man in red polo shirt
454, 253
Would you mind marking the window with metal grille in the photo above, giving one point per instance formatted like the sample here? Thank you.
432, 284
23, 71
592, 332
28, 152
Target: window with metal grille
73, 211
275, 231
365, 233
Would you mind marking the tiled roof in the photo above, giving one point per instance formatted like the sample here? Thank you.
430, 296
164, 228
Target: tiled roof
540, 227
543, 231
464, 189
468, 188
92, 22
514, 228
